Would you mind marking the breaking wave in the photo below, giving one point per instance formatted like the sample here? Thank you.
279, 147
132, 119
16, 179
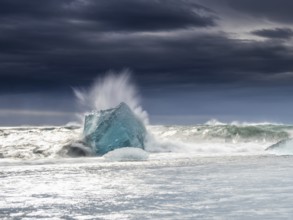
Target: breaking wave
109, 91
219, 139
212, 138
208, 140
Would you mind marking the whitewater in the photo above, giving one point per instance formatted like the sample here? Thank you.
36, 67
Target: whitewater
30, 143
187, 172
204, 171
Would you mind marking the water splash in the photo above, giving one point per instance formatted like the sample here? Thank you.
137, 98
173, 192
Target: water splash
109, 91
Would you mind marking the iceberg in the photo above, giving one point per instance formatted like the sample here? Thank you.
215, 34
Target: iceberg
75, 149
110, 129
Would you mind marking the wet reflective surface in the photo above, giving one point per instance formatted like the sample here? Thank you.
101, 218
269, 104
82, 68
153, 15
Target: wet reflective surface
165, 186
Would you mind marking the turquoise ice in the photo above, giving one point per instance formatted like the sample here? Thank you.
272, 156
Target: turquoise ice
115, 128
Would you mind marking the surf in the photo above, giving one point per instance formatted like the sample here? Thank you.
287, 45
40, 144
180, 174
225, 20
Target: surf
213, 138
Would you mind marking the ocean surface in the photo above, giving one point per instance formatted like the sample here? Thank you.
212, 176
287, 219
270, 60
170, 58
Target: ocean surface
209, 171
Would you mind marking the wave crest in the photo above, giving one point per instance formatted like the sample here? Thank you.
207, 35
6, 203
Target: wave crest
52, 142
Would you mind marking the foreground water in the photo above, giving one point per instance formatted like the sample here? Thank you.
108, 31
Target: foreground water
212, 171
163, 187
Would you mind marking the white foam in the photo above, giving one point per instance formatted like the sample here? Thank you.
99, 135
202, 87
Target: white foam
127, 154
208, 140
284, 147
109, 92
47, 142
214, 122
35, 142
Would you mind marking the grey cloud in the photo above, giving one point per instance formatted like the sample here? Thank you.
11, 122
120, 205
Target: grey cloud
279, 33
274, 10
62, 49
111, 15
182, 59
139, 15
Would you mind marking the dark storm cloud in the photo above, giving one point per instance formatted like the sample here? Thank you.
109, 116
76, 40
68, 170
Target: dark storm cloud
280, 33
49, 44
275, 10
31, 8
115, 15
188, 58
147, 15
43, 40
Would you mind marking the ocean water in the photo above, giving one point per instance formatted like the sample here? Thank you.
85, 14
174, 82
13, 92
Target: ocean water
211, 171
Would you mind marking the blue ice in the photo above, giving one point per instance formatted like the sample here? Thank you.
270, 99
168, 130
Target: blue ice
115, 128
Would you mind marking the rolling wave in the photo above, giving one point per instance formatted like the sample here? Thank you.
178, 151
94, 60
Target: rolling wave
207, 139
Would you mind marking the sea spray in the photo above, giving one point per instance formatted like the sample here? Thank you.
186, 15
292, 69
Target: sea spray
212, 138
42, 142
109, 91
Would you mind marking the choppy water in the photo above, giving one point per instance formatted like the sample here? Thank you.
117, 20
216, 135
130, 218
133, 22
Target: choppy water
188, 172
47, 142
239, 187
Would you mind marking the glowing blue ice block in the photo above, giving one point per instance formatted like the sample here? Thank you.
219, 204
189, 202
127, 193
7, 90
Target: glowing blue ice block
110, 129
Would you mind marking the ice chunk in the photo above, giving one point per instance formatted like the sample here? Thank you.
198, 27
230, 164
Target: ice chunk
76, 149
110, 129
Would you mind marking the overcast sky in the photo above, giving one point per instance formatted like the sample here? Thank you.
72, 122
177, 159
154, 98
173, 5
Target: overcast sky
191, 59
